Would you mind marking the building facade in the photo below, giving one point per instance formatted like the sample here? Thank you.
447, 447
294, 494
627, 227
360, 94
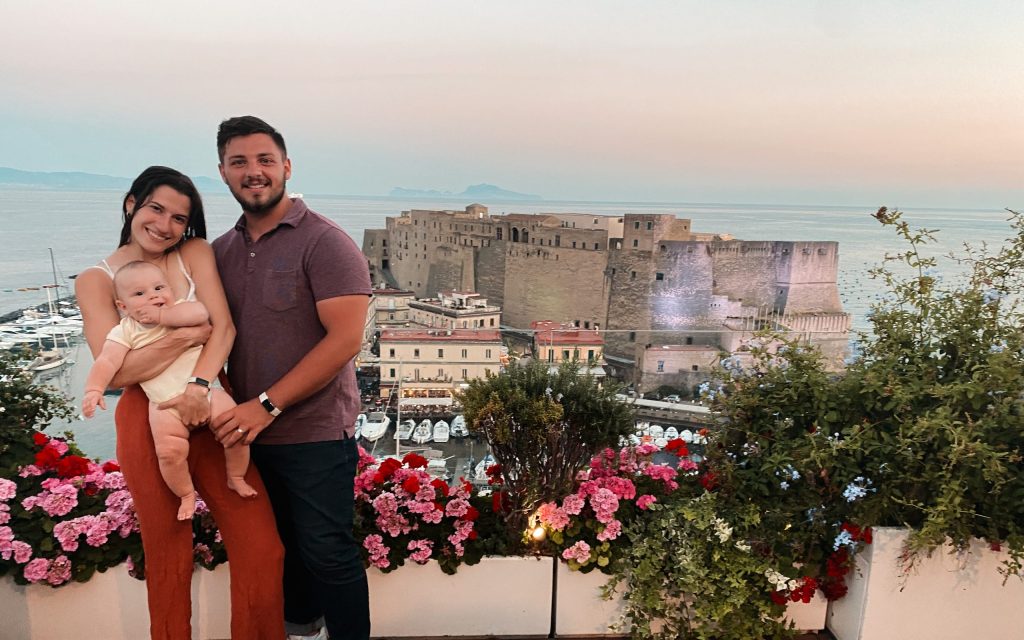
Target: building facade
434, 363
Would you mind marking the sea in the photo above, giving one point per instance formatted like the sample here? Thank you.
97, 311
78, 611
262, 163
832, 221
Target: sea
80, 227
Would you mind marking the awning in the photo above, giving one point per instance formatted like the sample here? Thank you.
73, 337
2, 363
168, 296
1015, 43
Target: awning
425, 401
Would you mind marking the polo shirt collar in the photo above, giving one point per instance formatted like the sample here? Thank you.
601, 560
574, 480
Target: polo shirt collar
292, 218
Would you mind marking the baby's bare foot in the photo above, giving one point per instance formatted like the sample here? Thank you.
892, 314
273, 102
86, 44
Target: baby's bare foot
187, 508
241, 487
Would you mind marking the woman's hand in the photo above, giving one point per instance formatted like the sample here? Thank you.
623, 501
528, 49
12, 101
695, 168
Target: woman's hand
193, 406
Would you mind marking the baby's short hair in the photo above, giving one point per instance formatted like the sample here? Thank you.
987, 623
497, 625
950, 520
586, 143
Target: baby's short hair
129, 267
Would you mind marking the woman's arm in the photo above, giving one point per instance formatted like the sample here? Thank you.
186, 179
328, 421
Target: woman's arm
193, 405
95, 293
199, 258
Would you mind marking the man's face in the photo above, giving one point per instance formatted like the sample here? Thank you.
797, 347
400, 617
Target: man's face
140, 288
255, 172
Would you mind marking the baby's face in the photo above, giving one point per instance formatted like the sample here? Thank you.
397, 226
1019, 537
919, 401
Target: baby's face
142, 288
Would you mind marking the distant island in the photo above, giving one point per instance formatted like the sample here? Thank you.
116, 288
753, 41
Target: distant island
72, 180
472, 192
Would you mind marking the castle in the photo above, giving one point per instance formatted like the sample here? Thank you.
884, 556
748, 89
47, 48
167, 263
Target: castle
646, 280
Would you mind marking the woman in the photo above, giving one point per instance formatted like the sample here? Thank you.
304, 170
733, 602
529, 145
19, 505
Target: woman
164, 225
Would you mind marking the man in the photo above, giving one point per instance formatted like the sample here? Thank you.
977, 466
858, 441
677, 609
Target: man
298, 289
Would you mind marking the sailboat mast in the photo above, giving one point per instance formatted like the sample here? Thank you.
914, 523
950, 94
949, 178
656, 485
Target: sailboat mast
53, 265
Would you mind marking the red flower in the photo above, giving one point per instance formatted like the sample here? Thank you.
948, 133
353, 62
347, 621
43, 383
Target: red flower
412, 485
414, 461
91, 490
500, 502
866, 537
39, 439
440, 485
466, 486
471, 514
709, 481
386, 469
47, 457
472, 535
834, 588
494, 474
72, 466
678, 447
110, 466
995, 546
778, 597
438, 506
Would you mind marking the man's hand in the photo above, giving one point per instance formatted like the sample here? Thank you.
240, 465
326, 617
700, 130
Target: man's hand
193, 406
242, 424
90, 400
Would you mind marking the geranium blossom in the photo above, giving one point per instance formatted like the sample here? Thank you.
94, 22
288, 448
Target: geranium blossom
580, 552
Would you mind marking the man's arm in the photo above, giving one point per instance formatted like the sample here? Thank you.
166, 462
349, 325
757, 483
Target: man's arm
343, 318
95, 293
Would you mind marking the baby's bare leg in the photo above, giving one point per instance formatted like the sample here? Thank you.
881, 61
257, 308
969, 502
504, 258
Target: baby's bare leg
237, 457
171, 439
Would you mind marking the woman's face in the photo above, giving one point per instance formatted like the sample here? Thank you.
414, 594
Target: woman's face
160, 222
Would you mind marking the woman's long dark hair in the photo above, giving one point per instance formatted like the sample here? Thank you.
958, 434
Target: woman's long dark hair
144, 186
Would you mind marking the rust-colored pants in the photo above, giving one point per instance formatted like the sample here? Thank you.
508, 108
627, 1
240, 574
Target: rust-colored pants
247, 526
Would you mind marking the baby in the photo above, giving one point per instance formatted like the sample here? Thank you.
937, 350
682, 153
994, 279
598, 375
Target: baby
145, 298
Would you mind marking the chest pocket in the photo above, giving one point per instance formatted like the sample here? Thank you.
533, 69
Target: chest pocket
280, 290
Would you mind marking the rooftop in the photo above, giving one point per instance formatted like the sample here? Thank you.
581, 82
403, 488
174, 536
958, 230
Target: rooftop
440, 335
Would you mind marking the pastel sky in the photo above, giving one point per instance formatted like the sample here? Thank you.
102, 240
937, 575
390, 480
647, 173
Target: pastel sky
908, 103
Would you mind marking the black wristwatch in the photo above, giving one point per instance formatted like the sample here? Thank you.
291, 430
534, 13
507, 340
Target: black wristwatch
268, 405
202, 382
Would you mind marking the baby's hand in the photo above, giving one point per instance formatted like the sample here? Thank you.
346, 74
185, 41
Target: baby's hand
150, 314
89, 402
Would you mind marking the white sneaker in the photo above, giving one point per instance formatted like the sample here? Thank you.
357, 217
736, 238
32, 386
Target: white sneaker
319, 635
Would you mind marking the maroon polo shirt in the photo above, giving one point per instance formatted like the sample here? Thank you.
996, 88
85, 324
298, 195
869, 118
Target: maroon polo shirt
272, 287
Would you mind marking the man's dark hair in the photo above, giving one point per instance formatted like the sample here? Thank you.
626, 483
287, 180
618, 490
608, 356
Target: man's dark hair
246, 126
144, 186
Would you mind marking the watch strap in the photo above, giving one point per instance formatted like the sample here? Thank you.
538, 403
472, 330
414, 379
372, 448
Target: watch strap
202, 382
268, 405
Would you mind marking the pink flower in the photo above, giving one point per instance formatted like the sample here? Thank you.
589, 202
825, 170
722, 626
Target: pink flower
30, 470
7, 489
36, 570
645, 501
421, 550
60, 570
22, 551
378, 551
5, 513
573, 504
66, 534
605, 504
60, 501
610, 531
580, 552
551, 516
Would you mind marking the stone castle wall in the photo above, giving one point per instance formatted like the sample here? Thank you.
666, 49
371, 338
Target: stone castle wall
548, 283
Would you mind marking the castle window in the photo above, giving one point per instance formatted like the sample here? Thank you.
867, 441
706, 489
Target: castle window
636, 225
586, 324
689, 339
384, 242
498, 233
659, 276
632, 275
558, 241
696, 368
663, 248
650, 225
636, 242
661, 366
632, 336
596, 246
573, 244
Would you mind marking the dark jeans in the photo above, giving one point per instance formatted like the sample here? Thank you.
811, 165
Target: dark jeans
311, 486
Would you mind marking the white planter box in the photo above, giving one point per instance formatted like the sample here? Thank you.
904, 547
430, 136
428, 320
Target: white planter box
110, 605
947, 597
580, 610
498, 597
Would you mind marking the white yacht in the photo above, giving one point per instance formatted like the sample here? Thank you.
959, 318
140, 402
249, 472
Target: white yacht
376, 426
459, 429
423, 432
441, 431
